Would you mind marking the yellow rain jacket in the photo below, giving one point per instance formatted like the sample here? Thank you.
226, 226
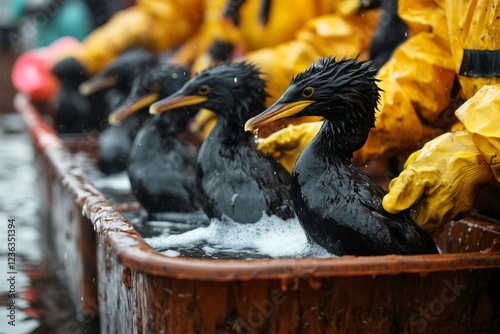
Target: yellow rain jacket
419, 79
450, 38
156, 25
191, 26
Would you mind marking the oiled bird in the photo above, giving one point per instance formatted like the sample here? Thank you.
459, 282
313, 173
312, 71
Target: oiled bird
338, 206
117, 77
116, 80
238, 181
74, 113
390, 33
162, 163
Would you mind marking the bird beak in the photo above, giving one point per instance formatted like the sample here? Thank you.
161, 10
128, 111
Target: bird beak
175, 101
96, 84
275, 112
131, 106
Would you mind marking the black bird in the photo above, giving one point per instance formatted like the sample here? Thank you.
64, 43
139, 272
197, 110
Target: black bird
338, 206
238, 181
116, 80
117, 77
161, 165
75, 113
390, 33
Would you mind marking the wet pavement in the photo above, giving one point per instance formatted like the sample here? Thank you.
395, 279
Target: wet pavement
33, 294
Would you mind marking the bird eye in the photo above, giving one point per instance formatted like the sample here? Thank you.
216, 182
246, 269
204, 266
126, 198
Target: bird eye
308, 92
203, 90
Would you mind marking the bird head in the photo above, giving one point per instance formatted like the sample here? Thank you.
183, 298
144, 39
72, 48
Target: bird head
343, 92
233, 91
158, 81
120, 72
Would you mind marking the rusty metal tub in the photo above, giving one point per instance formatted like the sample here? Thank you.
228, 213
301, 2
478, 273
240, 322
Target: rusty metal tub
114, 274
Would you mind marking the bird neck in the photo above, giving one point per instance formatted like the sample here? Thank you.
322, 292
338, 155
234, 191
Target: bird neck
173, 122
236, 114
230, 132
341, 138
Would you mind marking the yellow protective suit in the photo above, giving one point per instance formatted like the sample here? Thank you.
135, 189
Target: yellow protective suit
418, 80
450, 169
344, 31
296, 34
156, 25
191, 26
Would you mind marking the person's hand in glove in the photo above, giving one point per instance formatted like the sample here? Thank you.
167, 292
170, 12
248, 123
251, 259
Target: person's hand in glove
441, 181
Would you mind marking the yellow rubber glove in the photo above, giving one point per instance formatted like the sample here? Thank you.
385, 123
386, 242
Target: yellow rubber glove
480, 115
448, 171
285, 145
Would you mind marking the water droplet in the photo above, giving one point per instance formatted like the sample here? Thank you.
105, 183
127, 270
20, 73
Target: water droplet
256, 135
235, 79
174, 75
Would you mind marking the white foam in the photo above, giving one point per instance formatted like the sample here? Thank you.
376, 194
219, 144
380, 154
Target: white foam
171, 253
270, 236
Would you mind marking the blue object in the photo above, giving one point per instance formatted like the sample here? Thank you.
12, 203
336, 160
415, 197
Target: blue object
11, 12
73, 18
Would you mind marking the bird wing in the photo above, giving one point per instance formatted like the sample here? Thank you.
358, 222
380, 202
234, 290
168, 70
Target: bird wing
242, 183
233, 193
388, 232
403, 233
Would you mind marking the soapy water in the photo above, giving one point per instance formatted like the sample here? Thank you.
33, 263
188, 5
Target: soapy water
270, 237
194, 235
